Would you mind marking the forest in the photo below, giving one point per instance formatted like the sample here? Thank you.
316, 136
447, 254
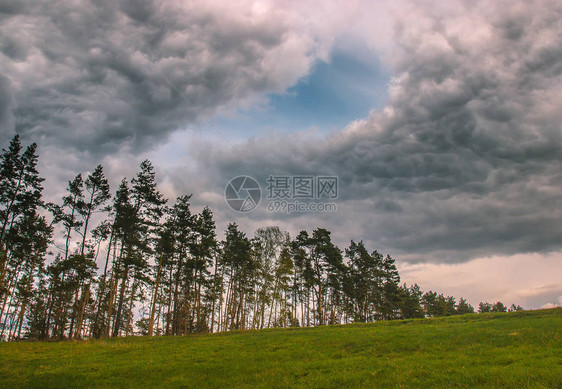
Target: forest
163, 270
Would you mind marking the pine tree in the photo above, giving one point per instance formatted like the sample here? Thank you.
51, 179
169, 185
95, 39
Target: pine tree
148, 209
411, 302
11, 177
20, 225
181, 284
21, 190
30, 247
96, 197
268, 243
484, 307
126, 230
121, 233
165, 248
464, 307
204, 251
239, 264
364, 282
72, 205
499, 307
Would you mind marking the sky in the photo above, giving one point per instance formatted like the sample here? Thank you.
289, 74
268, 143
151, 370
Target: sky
441, 119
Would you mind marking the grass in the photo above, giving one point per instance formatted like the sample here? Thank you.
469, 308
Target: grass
519, 349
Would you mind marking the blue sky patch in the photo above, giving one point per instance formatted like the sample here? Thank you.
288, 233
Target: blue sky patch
330, 97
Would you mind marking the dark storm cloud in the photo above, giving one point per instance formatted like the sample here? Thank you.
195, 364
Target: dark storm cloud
6, 106
465, 160
81, 74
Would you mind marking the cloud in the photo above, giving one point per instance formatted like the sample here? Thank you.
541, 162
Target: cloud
555, 304
90, 81
529, 280
7, 104
463, 162
83, 76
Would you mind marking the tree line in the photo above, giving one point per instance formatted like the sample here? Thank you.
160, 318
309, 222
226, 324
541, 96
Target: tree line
164, 272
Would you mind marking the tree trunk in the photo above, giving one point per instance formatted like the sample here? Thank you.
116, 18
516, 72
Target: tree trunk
84, 303
130, 313
117, 324
155, 296
27, 290
101, 291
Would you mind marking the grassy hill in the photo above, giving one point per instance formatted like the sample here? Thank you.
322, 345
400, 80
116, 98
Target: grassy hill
520, 349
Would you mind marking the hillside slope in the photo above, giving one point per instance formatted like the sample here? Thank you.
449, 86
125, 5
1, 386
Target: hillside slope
520, 349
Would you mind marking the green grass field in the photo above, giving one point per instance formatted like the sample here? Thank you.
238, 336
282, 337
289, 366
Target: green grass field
520, 349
